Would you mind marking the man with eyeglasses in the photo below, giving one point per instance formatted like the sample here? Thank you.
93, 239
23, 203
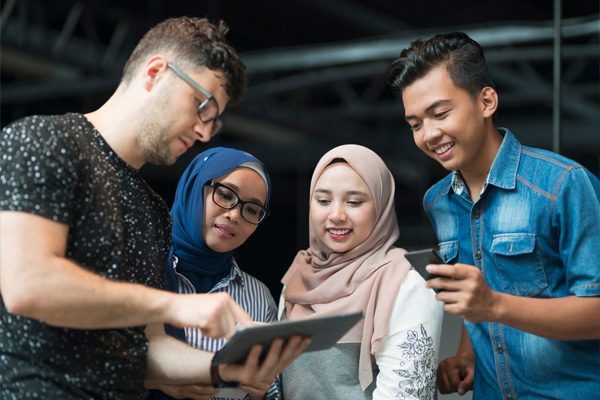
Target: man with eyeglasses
84, 241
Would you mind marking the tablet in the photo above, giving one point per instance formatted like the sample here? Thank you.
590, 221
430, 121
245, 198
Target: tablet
324, 331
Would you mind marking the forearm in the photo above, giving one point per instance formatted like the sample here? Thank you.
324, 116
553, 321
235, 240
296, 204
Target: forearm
173, 362
40, 282
565, 318
465, 348
63, 294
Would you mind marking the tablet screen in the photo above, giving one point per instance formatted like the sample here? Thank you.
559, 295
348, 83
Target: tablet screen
324, 331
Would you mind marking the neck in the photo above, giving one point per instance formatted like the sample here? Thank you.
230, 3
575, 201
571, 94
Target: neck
117, 124
475, 174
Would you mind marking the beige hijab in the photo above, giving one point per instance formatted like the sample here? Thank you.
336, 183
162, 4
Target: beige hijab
366, 278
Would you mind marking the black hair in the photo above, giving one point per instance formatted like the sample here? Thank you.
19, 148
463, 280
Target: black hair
462, 56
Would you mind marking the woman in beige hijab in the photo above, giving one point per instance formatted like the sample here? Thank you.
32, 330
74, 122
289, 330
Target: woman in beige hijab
353, 265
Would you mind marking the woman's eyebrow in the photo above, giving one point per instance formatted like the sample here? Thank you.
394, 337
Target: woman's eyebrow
349, 192
237, 190
356, 192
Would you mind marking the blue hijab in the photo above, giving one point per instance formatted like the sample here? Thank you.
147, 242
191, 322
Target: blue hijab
201, 265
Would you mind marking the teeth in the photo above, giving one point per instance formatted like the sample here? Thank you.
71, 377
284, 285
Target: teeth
339, 231
223, 230
444, 149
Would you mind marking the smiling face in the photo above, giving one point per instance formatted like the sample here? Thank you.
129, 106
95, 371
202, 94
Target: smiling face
225, 230
171, 124
449, 125
342, 209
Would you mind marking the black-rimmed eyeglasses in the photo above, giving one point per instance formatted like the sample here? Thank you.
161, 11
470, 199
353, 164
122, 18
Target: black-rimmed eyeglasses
208, 110
227, 198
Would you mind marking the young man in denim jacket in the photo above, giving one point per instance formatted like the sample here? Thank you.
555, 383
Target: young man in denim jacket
521, 227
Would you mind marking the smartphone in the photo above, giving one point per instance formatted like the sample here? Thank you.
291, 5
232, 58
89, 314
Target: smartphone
421, 258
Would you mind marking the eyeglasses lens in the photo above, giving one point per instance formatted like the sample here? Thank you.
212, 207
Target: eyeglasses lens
226, 198
209, 111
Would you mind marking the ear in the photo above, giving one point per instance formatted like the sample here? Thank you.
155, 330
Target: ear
154, 71
489, 101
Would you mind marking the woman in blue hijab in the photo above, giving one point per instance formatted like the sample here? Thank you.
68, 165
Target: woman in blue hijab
221, 199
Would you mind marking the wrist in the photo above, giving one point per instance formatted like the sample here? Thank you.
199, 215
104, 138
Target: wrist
157, 306
217, 381
496, 309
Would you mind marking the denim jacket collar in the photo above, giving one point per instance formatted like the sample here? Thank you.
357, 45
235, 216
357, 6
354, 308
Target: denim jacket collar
503, 173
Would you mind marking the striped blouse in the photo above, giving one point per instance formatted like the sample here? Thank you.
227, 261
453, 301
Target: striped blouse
250, 293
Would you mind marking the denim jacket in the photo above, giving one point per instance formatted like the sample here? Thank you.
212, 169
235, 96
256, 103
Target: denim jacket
533, 232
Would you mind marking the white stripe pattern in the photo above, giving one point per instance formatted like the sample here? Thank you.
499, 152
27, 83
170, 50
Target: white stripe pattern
250, 293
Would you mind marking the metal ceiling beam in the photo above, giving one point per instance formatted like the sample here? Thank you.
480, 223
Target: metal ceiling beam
21, 33
358, 15
388, 48
354, 71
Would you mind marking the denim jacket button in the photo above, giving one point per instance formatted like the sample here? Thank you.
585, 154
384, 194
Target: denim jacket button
476, 214
499, 349
478, 255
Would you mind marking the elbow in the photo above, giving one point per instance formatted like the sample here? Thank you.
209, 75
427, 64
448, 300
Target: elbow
23, 292
19, 298
18, 303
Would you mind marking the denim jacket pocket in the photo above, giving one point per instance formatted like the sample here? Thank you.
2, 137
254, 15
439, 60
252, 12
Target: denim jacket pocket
519, 264
449, 251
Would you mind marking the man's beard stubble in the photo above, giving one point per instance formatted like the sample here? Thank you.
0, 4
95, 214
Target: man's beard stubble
155, 136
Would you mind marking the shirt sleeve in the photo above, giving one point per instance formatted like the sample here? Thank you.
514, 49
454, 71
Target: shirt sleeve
576, 217
408, 356
38, 173
273, 392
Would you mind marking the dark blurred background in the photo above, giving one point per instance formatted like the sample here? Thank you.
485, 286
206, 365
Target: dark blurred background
316, 70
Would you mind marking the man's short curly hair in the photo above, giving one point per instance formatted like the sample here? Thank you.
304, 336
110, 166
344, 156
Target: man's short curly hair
192, 42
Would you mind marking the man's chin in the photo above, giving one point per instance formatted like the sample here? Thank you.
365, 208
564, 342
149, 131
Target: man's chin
162, 159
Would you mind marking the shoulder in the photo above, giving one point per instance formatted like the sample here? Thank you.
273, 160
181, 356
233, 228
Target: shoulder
416, 305
55, 134
546, 158
437, 190
545, 168
413, 291
254, 285
50, 124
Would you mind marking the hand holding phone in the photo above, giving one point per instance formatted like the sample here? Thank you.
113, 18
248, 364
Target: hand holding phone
421, 258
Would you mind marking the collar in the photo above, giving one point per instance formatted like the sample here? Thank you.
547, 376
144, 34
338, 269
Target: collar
503, 173
235, 273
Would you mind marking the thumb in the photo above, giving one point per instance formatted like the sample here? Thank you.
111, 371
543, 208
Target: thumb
466, 383
241, 316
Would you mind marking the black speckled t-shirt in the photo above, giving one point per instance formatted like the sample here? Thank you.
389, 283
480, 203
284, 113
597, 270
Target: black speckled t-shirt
60, 168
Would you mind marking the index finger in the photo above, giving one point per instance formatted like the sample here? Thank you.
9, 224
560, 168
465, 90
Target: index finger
456, 271
241, 316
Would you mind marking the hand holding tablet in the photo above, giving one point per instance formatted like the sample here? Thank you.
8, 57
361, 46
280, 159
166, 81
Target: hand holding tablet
324, 331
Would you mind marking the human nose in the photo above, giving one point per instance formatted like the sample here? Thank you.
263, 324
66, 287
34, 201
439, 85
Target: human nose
337, 213
431, 132
234, 213
203, 130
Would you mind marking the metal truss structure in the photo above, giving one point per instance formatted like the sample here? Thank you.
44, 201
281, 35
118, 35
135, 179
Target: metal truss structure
60, 56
